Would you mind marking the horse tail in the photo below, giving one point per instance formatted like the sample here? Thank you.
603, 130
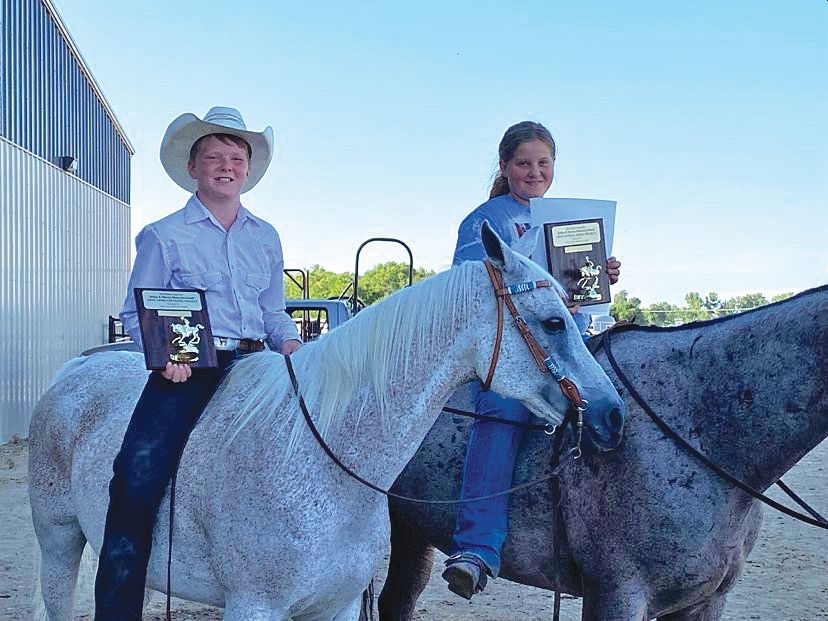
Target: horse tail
38, 607
39, 613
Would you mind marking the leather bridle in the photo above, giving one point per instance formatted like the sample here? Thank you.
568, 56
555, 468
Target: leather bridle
503, 294
575, 415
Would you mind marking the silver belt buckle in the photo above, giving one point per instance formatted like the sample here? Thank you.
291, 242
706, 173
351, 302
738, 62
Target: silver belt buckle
225, 344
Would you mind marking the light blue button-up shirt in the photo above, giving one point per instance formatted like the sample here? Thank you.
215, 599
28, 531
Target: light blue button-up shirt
240, 271
509, 219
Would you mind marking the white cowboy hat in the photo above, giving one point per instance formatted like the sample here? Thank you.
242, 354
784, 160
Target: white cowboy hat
187, 128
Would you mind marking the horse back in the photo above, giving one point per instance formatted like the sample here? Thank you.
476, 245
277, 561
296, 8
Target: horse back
87, 392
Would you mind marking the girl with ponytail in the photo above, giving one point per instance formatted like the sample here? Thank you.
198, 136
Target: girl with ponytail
526, 170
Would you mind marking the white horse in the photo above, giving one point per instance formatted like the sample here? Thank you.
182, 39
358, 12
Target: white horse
271, 532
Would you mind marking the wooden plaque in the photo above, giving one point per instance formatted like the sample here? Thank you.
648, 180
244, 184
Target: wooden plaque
577, 256
175, 327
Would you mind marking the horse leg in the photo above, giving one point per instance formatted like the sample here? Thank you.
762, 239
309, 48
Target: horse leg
613, 605
61, 548
350, 612
55, 522
710, 610
409, 569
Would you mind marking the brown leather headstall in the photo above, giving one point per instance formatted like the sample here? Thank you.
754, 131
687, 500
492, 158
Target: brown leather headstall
503, 294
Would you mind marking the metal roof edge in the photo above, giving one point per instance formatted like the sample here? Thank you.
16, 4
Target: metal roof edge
75, 50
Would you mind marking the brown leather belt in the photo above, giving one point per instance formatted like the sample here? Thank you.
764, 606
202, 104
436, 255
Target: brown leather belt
250, 345
246, 346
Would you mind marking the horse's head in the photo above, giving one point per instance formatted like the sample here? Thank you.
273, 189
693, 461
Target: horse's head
544, 362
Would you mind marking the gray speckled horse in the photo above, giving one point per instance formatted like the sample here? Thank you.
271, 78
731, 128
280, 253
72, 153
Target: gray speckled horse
266, 525
649, 531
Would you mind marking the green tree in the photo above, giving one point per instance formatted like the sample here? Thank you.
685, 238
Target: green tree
384, 279
376, 284
625, 308
782, 296
712, 302
661, 314
695, 309
751, 300
323, 283
744, 302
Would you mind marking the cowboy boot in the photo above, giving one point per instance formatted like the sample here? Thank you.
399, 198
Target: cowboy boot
465, 574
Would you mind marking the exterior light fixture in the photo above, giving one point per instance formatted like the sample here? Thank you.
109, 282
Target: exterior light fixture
69, 163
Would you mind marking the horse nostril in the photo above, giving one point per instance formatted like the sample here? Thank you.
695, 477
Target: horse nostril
616, 420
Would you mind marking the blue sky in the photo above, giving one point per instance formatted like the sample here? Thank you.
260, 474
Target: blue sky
707, 121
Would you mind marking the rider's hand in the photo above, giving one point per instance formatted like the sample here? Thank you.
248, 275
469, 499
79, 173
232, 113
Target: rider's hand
613, 269
177, 373
288, 347
573, 310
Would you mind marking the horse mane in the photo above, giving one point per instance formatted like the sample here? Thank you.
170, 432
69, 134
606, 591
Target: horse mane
365, 353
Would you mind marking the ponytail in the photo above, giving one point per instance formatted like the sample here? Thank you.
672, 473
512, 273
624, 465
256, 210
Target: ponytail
500, 186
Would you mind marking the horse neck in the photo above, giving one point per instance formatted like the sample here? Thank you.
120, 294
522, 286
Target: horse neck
750, 392
415, 391
424, 389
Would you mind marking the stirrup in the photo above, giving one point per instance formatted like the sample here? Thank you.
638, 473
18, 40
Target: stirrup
466, 574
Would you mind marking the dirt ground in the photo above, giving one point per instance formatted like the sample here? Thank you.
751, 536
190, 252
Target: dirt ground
786, 578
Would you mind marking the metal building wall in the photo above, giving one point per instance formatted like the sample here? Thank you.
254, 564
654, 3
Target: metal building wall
49, 102
64, 265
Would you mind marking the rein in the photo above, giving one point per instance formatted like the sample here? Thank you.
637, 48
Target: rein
572, 455
575, 413
547, 428
817, 520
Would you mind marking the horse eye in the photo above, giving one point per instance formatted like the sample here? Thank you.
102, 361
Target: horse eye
555, 324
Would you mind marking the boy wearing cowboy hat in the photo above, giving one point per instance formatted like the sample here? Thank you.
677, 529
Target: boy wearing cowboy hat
216, 245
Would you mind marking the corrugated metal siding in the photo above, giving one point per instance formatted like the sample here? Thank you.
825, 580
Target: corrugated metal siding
49, 104
64, 265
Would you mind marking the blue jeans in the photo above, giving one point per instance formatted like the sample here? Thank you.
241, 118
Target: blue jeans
490, 462
490, 458
158, 431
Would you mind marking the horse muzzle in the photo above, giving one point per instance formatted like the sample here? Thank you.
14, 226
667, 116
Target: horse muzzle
604, 426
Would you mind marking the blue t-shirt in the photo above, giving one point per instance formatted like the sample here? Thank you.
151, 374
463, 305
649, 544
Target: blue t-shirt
506, 216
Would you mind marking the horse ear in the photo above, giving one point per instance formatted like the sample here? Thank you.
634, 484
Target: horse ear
527, 243
496, 250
